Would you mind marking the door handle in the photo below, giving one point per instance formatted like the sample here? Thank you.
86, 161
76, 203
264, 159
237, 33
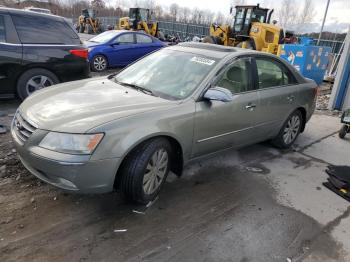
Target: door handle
250, 107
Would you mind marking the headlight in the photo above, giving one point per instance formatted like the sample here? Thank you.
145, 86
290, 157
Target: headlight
71, 143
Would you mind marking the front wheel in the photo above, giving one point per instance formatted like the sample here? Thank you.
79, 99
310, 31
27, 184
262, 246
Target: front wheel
144, 171
343, 131
289, 131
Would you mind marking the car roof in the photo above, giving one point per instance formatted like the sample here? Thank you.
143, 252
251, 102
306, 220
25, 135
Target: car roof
211, 50
120, 31
28, 12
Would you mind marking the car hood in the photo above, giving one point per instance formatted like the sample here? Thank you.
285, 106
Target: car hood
79, 106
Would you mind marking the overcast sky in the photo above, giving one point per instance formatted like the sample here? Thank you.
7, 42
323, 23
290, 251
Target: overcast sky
338, 18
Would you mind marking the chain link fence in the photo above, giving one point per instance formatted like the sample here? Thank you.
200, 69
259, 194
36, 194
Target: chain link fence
185, 30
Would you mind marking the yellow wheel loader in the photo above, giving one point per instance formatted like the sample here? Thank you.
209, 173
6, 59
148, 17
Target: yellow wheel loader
139, 19
88, 23
251, 29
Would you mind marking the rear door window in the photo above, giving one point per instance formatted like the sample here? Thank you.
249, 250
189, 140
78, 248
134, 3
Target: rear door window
273, 74
125, 39
42, 30
2, 29
143, 39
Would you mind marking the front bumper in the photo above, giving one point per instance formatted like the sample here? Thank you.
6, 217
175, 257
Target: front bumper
68, 172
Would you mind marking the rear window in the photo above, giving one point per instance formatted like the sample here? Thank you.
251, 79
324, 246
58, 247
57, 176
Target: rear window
2, 29
272, 73
43, 30
143, 39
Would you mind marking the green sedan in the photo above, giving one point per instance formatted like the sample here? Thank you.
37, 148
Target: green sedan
128, 131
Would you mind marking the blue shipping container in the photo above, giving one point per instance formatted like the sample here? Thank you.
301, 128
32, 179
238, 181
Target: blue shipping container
311, 61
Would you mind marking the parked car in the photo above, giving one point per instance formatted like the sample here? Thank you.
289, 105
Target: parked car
37, 50
119, 48
128, 130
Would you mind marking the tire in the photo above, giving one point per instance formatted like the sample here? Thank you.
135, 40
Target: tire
133, 180
88, 29
249, 45
212, 40
33, 80
160, 36
81, 29
289, 131
343, 131
98, 63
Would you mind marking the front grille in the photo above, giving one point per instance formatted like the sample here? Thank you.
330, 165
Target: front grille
22, 128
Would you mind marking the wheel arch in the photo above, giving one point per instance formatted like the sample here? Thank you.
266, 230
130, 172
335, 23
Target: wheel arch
35, 66
31, 67
303, 113
177, 157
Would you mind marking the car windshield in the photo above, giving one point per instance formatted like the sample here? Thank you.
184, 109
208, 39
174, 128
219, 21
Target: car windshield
104, 37
167, 73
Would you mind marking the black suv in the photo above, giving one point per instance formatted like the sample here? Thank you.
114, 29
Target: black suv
36, 51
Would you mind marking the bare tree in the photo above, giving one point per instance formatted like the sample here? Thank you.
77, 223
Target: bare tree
219, 18
174, 11
184, 13
158, 11
238, 2
287, 13
150, 4
307, 13
98, 4
207, 17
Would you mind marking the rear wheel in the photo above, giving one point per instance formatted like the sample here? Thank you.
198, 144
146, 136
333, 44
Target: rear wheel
99, 63
81, 29
343, 131
249, 45
89, 29
289, 131
144, 171
212, 40
34, 80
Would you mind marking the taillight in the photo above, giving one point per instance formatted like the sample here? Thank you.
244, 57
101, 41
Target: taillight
80, 52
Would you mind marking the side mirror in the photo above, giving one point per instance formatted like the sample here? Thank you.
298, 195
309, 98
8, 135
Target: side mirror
218, 94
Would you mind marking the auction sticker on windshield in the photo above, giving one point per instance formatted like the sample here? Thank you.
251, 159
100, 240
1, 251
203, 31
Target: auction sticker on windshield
202, 60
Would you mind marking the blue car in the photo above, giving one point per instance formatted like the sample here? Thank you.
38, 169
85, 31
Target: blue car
119, 48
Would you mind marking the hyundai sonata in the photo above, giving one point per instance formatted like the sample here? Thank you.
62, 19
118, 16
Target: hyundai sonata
127, 131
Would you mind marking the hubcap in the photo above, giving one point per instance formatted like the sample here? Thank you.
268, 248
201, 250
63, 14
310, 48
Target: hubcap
155, 171
291, 130
100, 63
38, 82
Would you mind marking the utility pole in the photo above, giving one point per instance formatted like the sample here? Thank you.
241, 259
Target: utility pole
324, 20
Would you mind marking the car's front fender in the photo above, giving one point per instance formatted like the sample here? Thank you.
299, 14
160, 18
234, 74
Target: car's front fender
123, 135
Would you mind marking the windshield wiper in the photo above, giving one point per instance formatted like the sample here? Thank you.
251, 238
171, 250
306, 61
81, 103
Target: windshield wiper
138, 88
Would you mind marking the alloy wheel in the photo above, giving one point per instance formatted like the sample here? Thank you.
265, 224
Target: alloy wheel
155, 171
38, 82
100, 63
291, 130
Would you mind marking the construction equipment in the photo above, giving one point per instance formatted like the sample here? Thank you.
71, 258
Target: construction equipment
88, 23
251, 29
139, 19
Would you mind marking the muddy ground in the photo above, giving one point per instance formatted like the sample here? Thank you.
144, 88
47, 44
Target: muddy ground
224, 208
